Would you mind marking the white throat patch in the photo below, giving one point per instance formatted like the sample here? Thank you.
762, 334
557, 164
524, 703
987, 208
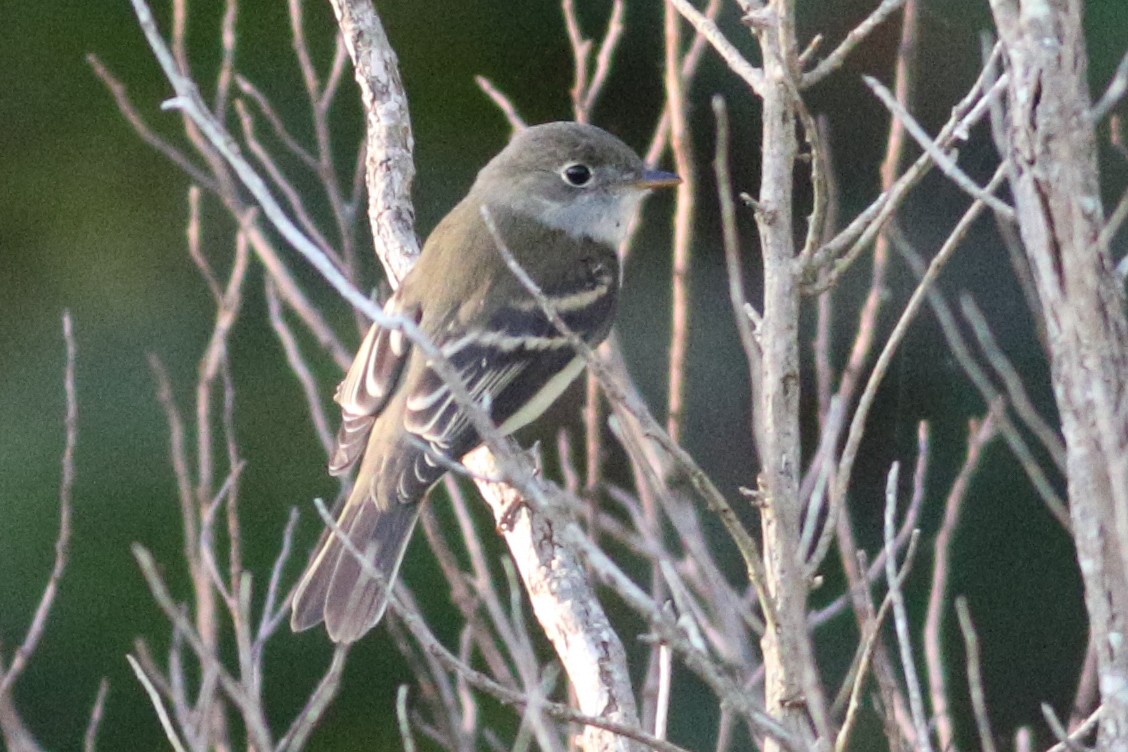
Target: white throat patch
601, 221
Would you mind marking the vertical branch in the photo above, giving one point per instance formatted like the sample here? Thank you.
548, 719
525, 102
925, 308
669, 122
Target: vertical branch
876, 296
788, 658
213, 367
681, 146
390, 169
1055, 180
901, 617
978, 437
585, 93
731, 242
975, 677
586, 87
9, 674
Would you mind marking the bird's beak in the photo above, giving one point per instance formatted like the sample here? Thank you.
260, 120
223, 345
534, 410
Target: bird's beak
658, 179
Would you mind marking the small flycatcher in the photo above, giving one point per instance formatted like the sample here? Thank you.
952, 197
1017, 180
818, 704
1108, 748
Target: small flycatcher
561, 195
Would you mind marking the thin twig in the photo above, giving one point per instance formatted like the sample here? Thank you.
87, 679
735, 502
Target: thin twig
838, 254
1016, 389
23, 654
975, 677
227, 43
1070, 743
709, 31
402, 720
504, 103
292, 195
604, 56
1113, 94
959, 348
158, 705
979, 434
665, 669
1066, 741
188, 101
681, 145
1113, 225
318, 702
865, 402
275, 120
300, 368
901, 617
939, 157
837, 57
94, 725
133, 117
870, 640
581, 49
733, 262
272, 616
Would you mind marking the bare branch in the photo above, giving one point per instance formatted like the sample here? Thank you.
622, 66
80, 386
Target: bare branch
1071, 743
94, 725
401, 718
227, 41
901, 617
188, 101
390, 169
1016, 390
283, 184
680, 144
23, 654
841, 251
836, 58
158, 705
516, 122
606, 53
133, 117
870, 640
708, 30
275, 121
565, 606
939, 157
959, 348
975, 677
980, 433
1113, 94
300, 368
857, 424
430, 643
317, 703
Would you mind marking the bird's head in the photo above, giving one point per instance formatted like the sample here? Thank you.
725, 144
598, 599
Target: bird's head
570, 176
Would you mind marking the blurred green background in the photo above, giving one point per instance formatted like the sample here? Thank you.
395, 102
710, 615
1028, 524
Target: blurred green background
92, 220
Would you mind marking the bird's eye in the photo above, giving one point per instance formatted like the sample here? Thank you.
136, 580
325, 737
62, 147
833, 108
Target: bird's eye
578, 175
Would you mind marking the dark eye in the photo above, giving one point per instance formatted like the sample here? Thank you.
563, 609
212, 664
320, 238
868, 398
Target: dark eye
577, 174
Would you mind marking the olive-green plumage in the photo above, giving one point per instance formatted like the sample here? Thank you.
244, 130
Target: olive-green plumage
560, 196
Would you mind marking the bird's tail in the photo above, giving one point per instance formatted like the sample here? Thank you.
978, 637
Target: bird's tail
349, 595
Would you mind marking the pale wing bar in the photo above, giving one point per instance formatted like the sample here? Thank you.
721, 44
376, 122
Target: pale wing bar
369, 383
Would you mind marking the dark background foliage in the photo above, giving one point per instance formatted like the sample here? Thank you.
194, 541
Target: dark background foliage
93, 220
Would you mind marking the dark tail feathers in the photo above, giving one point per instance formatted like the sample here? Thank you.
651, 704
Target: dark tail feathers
341, 590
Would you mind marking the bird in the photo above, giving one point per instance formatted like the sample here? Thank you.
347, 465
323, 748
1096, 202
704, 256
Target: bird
560, 196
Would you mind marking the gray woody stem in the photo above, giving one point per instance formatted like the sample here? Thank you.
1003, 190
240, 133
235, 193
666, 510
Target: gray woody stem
788, 658
1051, 148
563, 600
389, 169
